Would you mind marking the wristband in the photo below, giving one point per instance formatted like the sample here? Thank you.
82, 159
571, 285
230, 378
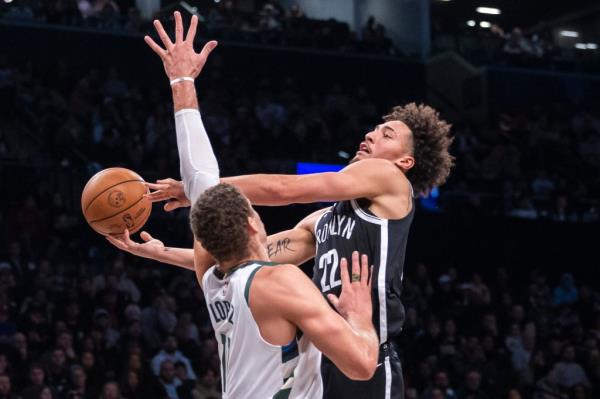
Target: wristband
182, 79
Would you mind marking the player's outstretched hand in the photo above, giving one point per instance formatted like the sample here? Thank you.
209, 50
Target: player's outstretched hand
179, 57
354, 303
169, 190
150, 248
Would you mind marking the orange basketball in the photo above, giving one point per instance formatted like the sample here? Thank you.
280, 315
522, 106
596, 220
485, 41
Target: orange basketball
112, 200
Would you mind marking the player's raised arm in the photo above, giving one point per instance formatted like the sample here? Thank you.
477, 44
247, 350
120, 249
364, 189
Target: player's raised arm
347, 338
198, 164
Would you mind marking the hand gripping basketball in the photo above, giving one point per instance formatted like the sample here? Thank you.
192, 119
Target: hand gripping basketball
169, 190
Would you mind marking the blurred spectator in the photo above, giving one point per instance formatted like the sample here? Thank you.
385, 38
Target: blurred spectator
440, 388
568, 372
173, 387
111, 391
6, 388
170, 352
57, 376
207, 386
566, 292
472, 386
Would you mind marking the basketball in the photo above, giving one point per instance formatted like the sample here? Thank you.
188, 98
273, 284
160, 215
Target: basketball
113, 200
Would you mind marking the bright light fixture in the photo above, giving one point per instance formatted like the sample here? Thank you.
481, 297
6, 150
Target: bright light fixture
471, 23
592, 46
8, 1
569, 33
488, 10
581, 46
485, 24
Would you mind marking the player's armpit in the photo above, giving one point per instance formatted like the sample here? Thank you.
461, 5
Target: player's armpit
286, 291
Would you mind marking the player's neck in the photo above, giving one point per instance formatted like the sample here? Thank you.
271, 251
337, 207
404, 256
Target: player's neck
254, 253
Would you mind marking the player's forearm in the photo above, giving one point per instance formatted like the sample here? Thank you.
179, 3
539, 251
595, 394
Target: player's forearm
182, 257
263, 189
293, 246
198, 165
184, 96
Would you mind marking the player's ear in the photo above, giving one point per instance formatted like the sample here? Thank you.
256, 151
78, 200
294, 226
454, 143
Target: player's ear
252, 225
406, 162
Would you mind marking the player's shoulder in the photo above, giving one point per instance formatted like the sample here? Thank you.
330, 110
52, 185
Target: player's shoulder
378, 166
281, 279
384, 171
278, 273
274, 286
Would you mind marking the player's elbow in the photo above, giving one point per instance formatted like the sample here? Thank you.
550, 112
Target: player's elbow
362, 370
363, 367
196, 183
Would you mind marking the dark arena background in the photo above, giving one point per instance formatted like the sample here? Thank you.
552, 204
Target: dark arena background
500, 288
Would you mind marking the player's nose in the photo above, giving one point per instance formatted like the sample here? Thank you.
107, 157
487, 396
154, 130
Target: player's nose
369, 137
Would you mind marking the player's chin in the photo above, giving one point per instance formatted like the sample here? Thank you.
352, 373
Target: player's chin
359, 156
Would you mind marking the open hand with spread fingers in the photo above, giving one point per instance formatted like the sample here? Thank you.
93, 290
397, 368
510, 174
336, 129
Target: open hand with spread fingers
354, 303
179, 58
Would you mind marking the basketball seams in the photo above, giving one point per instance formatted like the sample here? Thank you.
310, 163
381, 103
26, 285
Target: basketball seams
121, 211
106, 189
139, 227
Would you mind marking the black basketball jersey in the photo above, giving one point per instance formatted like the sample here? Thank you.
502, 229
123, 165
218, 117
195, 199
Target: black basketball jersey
349, 226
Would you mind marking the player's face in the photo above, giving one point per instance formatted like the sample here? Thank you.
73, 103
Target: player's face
391, 140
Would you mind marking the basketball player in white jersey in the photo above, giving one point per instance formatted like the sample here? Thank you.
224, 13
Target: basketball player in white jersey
373, 214
267, 318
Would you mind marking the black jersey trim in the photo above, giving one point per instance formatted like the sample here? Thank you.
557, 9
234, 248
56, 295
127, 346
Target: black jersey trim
364, 215
371, 218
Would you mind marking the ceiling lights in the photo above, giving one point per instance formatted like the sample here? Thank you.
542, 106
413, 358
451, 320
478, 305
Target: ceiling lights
488, 10
569, 33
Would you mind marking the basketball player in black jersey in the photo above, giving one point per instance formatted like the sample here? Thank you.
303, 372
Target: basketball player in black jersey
405, 156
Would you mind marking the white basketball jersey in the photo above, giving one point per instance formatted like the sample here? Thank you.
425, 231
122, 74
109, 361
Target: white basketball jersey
250, 366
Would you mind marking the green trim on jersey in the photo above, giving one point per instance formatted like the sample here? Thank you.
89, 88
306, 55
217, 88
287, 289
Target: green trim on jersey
251, 277
248, 282
283, 394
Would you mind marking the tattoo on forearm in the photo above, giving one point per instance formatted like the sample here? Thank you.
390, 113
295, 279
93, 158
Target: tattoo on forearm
279, 247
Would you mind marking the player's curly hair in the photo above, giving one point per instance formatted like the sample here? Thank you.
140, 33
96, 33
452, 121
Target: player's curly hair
431, 140
219, 221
